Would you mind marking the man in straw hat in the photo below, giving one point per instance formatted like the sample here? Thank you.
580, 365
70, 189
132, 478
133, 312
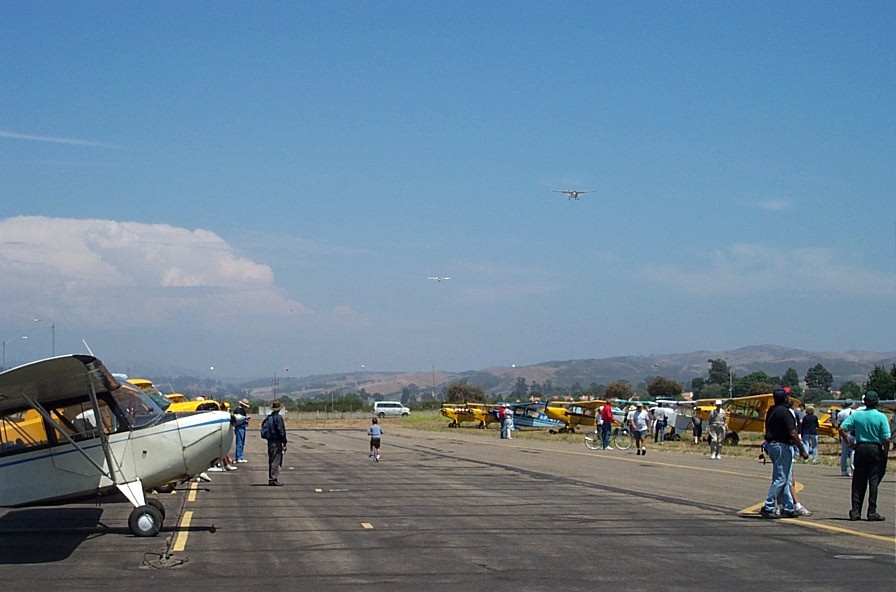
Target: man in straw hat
240, 423
276, 437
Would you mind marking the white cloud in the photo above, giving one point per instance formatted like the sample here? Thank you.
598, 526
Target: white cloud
52, 139
130, 274
746, 269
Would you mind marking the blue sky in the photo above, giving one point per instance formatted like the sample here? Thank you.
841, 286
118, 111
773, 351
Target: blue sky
255, 186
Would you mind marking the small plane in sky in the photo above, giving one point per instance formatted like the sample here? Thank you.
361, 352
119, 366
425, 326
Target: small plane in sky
70, 431
572, 193
438, 278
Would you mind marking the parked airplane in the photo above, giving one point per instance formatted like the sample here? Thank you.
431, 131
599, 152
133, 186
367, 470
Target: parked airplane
532, 415
573, 194
70, 431
480, 413
573, 413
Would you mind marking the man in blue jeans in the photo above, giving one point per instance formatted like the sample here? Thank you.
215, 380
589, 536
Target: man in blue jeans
781, 435
605, 421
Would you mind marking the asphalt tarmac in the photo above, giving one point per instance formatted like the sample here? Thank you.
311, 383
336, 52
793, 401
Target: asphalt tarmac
456, 511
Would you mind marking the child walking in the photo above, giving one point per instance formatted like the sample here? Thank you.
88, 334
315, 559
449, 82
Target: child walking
375, 432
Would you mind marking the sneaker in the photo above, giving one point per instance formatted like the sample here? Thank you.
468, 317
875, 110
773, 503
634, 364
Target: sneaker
216, 469
241, 460
275, 484
791, 514
853, 516
844, 474
203, 477
875, 517
763, 513
802, 511
377, 458
230, 467
638, 453
643, 452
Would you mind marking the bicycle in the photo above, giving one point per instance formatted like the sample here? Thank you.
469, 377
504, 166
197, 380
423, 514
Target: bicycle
621, 439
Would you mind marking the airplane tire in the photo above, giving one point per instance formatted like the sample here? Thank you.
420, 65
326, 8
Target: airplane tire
145, 521
167, 488
158, 505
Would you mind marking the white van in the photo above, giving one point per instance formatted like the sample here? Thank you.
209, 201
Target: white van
393, 408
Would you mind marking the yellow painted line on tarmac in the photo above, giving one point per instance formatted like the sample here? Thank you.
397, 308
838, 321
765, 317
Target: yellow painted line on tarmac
180, 542
367, 525
191, 496
318, 490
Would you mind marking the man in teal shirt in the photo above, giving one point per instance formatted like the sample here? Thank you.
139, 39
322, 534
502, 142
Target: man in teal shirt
871, 431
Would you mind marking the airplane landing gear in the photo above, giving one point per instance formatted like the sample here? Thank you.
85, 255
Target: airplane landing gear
146, 521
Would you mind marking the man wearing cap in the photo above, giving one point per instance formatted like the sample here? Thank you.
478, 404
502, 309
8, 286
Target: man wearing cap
638, 424
870, 447
240, 423
781, 436
276, 443
718, 427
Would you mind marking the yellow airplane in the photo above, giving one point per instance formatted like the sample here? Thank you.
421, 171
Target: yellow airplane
480, 413
178, 403
573, 413
745, 414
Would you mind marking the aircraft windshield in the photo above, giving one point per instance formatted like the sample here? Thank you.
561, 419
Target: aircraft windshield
136, 407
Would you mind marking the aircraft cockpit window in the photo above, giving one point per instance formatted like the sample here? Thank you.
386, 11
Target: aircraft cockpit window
135, 409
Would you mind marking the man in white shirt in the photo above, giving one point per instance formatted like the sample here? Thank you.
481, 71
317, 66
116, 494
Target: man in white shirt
639, 422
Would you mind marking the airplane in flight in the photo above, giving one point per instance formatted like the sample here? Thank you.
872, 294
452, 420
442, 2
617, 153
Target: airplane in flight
438, 278
572, 193
70, 432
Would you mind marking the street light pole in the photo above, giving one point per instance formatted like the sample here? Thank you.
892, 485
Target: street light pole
10, 340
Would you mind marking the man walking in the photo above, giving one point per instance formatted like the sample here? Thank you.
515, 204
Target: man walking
605, 421
781, 435
276, 430
871, 446
638, 423
718, 428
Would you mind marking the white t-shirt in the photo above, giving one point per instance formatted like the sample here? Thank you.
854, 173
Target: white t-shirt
639, 420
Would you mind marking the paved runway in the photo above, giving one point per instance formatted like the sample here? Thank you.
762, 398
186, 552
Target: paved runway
450, 511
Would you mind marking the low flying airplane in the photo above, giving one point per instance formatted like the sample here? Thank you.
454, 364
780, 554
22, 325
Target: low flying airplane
480, 413
70, 431
572, 193
438, 278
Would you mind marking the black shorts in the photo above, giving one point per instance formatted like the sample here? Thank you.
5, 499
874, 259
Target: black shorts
374, 442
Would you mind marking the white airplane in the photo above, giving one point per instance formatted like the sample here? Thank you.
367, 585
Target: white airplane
438, 279
573, 194
71, 432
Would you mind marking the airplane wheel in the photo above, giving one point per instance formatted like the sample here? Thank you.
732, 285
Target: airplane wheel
145, 521
158, 505
167, 488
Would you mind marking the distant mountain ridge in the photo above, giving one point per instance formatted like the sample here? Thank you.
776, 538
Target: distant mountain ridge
774, 360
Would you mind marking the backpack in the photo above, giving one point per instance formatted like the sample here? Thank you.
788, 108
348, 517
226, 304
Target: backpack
266, 428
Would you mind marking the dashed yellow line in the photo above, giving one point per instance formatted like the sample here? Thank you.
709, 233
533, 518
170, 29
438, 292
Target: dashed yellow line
180, 542
367, 525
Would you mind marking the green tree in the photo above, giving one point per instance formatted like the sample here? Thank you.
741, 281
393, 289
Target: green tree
814, 395
850, 390
464, 392
757, 383
663, 388
520, 388
818, 377
620, 389
882, 382
792, 379
719, 372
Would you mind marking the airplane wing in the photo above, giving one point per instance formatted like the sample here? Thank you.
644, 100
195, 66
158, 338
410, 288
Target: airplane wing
53, 379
